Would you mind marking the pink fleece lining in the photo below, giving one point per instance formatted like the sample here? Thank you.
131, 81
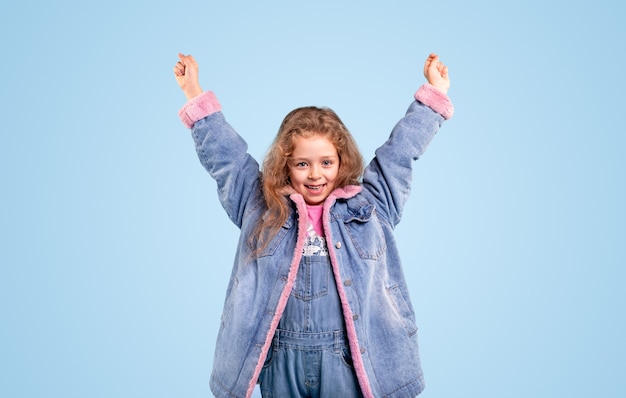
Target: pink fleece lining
436, 100
355, 349
357, 360
284, 296
198, 108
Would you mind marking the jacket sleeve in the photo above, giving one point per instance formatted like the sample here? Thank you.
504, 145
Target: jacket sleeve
224, 154
388, 176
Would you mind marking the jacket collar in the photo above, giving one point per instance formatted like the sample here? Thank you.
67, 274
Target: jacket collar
346, 192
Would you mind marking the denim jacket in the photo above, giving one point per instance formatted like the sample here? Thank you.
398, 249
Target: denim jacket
358, 223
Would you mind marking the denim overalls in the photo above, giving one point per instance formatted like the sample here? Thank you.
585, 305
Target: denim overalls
310, 356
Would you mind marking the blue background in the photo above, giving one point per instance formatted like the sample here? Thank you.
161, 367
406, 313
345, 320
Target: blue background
115, 253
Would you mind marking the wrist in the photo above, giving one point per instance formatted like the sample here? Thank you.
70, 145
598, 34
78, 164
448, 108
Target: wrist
192, 92
441, 86
443, 90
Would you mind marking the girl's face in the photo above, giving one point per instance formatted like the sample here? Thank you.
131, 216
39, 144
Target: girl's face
313, 168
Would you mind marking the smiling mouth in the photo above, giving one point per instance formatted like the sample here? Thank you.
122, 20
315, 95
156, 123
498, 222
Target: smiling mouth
315, 187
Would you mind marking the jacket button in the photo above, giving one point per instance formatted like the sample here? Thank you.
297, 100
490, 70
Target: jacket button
338, 245
348, 282
362, 350
355, 317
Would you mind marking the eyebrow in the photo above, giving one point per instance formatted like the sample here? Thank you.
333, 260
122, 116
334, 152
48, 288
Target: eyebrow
307, 160
320, 157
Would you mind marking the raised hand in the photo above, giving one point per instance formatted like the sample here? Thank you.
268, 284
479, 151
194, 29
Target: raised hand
186, 73
437, 73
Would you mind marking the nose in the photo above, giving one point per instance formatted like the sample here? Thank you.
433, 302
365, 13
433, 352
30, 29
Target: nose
314, 174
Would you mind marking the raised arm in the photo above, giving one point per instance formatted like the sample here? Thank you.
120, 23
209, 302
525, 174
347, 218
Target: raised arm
388, 176
222, 152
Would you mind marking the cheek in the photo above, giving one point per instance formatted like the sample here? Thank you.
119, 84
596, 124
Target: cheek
294, 177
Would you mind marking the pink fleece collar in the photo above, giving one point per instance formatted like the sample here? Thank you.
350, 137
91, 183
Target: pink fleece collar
346, 192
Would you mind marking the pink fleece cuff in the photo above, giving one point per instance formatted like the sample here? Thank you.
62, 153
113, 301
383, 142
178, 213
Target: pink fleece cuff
198, 108
436, 100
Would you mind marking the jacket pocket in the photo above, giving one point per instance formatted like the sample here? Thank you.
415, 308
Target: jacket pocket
366, 232
274, 242
403, 310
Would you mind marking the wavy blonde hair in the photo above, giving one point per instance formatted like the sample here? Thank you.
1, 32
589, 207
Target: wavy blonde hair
302, 122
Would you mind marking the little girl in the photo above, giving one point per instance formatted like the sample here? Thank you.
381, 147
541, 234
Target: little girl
317, 304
